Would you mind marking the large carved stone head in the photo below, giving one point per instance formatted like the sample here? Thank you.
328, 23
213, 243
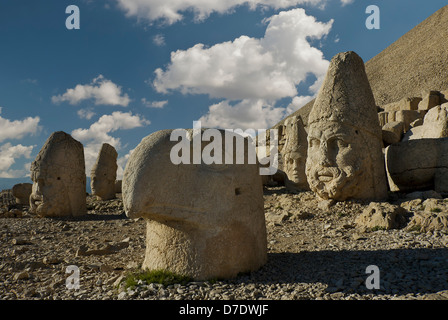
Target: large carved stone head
345, 159
59, 179
203, 220
294, 154
104, 173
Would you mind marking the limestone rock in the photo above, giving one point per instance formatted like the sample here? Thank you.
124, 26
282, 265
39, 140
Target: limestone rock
424, 221
203, 220
407, 117
430, 100
435, 125
118, 186
22, 192
393, 132
345, 159
294, 154
104, 173
418, 165
59, 178
383, 117
409, 103
383, 215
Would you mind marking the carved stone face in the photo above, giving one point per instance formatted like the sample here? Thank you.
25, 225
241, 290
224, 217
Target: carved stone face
49, 196
58, 175
295, 153
335, 163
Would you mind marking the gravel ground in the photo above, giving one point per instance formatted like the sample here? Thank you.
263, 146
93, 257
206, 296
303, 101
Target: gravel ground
315, 252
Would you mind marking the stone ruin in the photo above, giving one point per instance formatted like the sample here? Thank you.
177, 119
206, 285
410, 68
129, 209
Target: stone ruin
104, 173
345, 159
22, 192
59, 179
415, 118
203, 220
207, 221
416, 144
420, 164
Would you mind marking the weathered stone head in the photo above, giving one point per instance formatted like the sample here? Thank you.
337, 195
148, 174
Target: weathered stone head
203, 220
345, 159
294, 154
59, 179
104, 173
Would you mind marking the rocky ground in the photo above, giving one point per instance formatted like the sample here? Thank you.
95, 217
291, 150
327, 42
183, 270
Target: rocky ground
315, 251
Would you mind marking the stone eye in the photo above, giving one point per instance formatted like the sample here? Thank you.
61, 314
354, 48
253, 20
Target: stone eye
342, 143
314, 143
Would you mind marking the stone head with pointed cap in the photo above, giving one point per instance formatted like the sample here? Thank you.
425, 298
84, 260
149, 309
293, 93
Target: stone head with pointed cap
345, 159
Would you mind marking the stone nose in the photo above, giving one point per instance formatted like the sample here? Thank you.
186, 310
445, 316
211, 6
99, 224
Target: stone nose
323, 158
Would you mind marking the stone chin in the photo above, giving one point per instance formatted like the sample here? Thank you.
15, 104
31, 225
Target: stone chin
37, 205
333, 182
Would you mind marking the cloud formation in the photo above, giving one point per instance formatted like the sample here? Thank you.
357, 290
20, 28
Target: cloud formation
100, 132
86, 113
17, 129
154, 104
8, 155
250, 73
250, 68
159, 40
172, 11
101, 90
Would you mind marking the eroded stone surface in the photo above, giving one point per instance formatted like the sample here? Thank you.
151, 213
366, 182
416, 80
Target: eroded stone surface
104, 173
22, 192
203, 220
59, 179
345, 159
294, 154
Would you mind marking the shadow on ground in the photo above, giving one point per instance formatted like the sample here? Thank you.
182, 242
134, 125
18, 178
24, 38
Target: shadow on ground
402, 271
94, 217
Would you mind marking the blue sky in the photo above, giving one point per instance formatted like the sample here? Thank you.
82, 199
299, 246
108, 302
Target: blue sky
138, 66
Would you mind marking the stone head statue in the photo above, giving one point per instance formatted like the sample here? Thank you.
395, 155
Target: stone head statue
294, 154
59, 179
104, 173
345, 159
203, 220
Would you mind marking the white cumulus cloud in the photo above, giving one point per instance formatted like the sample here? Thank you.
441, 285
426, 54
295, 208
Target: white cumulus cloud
8, 155
245, 114
172, 11
100, 132
159, 40
86, 113
252, 74
250, 68
101, 90
154, 104
17, 129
